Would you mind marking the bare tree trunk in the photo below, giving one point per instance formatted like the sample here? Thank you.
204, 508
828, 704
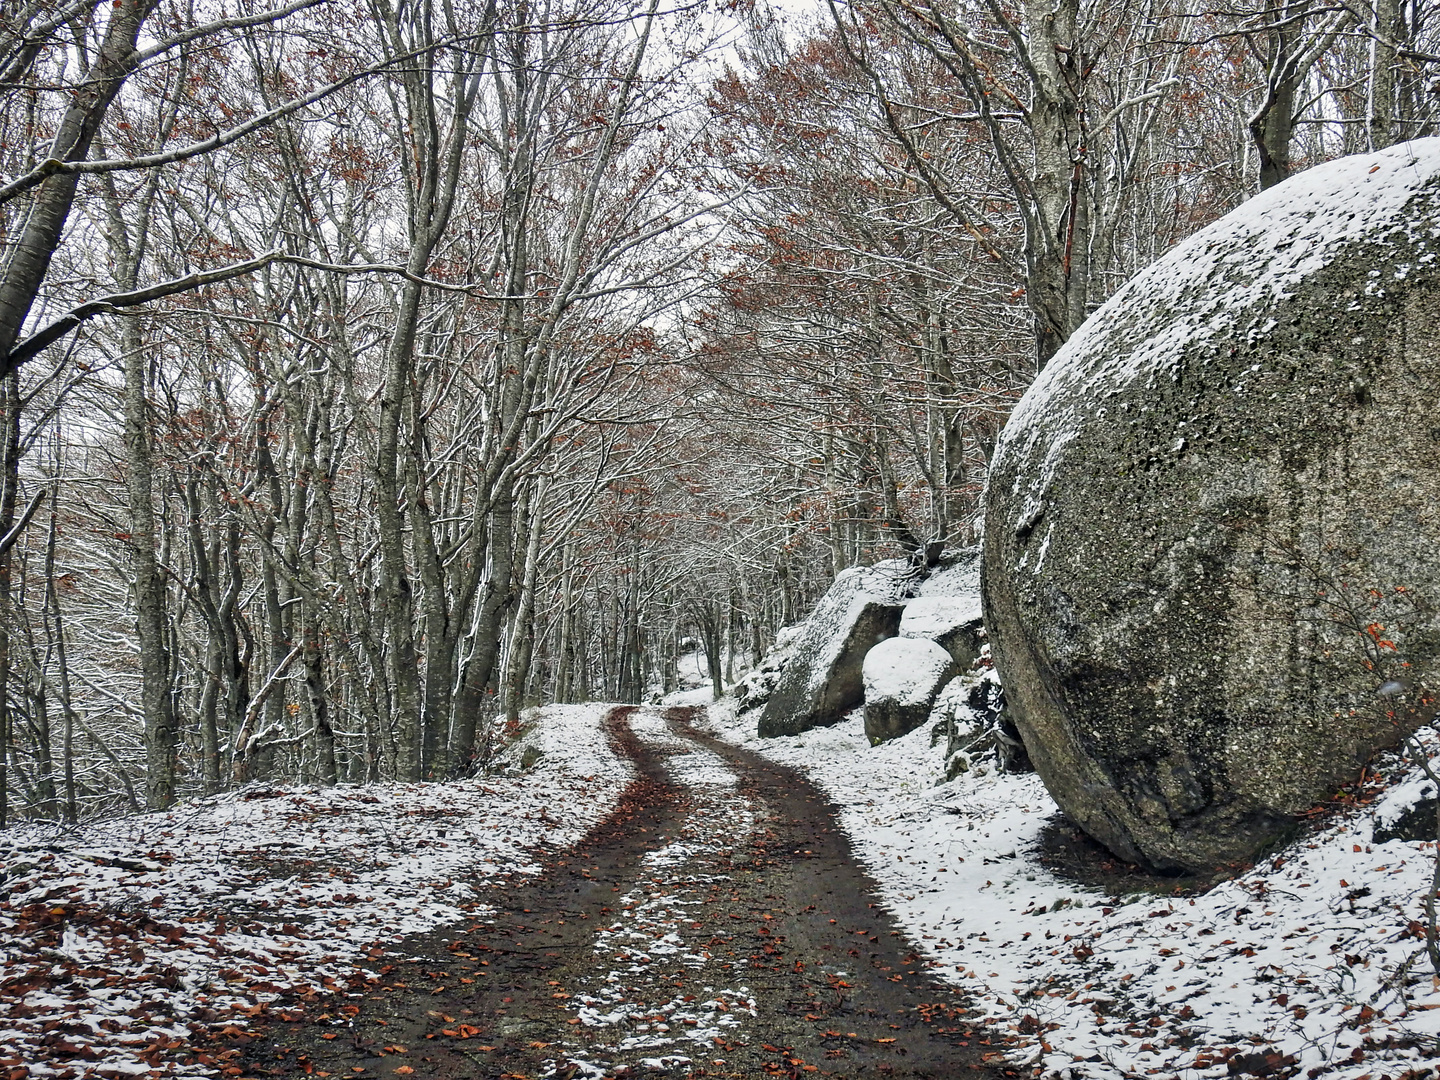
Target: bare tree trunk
394, 594
523, 625
1292, 48
435, 609
1272, 128
39, 695
496, 597
1381, 122
28, 261
1058, 258
565, 650
204, 589
437, 103
162, 734
9, 488
319, 703
62, 666
162, 731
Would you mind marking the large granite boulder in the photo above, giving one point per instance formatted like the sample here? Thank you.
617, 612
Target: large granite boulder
1212, 525
822, 680
757, 684
903, 677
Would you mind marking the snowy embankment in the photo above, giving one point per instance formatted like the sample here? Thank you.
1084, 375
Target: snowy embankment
123, 940
1308, 965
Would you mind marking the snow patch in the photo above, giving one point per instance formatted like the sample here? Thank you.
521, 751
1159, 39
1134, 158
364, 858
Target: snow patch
904, 670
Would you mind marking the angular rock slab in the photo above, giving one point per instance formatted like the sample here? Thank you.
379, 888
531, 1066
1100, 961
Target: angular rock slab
903, 677
1212, 525
822, 680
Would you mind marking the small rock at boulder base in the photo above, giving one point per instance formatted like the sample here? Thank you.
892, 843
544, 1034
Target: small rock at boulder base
903, 677
821, 681
1212, 525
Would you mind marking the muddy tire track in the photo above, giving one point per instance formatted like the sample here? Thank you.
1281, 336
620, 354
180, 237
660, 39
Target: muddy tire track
711, 925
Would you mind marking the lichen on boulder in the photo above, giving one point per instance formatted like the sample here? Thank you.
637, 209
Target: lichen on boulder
1211, 524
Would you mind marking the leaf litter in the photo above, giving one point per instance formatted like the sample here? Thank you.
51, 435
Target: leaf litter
145, 946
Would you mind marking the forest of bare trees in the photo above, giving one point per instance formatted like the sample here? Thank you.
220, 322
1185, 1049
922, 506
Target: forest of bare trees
375, 369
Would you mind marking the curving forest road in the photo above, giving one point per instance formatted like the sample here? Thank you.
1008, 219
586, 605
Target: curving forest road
715, 924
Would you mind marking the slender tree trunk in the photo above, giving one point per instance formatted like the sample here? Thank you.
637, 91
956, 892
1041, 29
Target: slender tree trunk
319, 704
522, 636
9, 489
1381, 122
203, 587
435, 610
52, 597
582, 655
162, 733
565, 650
1057, 287
38, 693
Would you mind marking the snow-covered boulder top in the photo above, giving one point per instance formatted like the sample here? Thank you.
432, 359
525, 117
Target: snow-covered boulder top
1226, 283
934, 616
1226, 475
889, 581
903, 677
905, 670
959, 575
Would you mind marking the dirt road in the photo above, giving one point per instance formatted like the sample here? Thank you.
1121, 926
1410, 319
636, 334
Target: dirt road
714, 925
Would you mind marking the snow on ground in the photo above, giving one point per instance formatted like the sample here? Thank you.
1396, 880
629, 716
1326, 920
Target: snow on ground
631, 1003
120, 940
1308, 965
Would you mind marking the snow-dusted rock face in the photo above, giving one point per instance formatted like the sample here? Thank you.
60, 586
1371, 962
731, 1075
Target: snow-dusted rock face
1212, 522
755, 688
903, 677
822, 681
952, 622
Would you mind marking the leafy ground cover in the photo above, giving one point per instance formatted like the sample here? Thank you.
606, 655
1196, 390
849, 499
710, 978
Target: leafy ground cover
127, 945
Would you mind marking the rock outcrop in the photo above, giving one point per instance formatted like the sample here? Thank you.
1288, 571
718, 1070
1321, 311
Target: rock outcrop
822, 680
755, 687
903, 676
955, 623
1211, 524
